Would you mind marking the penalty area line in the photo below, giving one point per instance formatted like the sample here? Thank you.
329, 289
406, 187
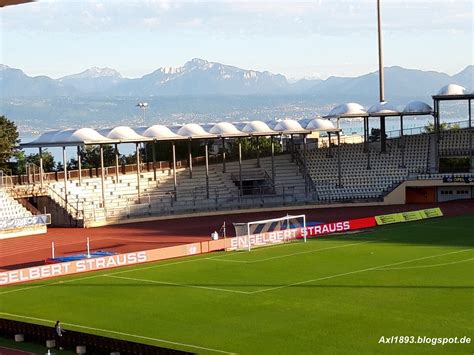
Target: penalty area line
157, 340
223, 259
178, 284
355, 272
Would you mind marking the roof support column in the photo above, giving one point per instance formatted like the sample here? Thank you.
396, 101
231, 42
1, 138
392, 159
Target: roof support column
383, 140
116, 164
41, 167
366, 140
65, 175
330, 145
174, 171
368, 144
402, 144
79, 164
258, 151
153, 152
102, 174
339, 168
240, 169
379, 32
223, 154
207, 170
190, 159
305, 167
470, 135
145, 150
273, 164
436, 135
137, 154
292, 148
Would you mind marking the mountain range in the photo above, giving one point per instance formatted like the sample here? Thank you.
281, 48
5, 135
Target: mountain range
199, 77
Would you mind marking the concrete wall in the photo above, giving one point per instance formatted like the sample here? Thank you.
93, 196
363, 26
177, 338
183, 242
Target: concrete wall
398, 195
450, 193
59, 216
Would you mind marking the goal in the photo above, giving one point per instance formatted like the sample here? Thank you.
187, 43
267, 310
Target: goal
269, 231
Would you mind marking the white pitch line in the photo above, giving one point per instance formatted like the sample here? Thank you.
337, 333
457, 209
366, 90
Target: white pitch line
221, 258
227, 260
356, 272
48, 284
426, 266
95, 276
178, 284
314, 251
120, 333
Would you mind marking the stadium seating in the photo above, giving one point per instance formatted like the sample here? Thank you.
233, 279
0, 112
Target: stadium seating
454, 142
11, 208
360, 183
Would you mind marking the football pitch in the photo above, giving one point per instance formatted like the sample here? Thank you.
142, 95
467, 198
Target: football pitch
338, 294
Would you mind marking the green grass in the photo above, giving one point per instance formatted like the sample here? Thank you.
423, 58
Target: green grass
329, 295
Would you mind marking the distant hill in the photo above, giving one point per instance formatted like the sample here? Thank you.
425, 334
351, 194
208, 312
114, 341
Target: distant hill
465, 77
15, 83
400, 84
199, 77
93, 81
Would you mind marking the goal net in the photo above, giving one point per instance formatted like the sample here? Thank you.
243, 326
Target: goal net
269, 231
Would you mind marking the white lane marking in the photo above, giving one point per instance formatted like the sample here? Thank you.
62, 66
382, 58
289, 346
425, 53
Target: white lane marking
356, 272
119, 333
427, 266
178, 284
220, 258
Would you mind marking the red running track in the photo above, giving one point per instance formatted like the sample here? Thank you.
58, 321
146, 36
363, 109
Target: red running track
16, 253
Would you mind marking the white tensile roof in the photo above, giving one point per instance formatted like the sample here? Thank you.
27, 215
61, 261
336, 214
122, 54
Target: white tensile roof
159, 132
288, 126
350, 109
124, 134
225, 129
257, 128
452, 89
417, 107
193, 130
65, 137
319, 124
382, 108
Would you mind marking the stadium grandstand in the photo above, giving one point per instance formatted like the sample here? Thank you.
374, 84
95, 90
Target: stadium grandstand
316, 165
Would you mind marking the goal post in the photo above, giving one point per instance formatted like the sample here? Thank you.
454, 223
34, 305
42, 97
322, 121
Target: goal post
268, 231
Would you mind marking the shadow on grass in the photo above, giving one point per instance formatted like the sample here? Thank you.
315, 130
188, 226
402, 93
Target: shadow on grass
443, 231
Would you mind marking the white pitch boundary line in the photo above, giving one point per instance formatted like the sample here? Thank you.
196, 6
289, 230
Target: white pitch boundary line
292, 254
427, 266
178, 284
356, 272
48, 284
157, 340
95, 276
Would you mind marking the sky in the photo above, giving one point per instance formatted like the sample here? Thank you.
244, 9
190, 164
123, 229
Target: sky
299, 39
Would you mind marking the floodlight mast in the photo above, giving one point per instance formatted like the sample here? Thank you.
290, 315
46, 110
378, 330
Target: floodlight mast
381, 74
143, 106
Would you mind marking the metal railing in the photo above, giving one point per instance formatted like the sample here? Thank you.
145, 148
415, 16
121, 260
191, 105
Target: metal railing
74, 211
5, 180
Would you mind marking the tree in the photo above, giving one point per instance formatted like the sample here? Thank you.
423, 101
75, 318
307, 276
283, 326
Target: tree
48, 160
250, 146
90, 157
9, 142
430, 127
